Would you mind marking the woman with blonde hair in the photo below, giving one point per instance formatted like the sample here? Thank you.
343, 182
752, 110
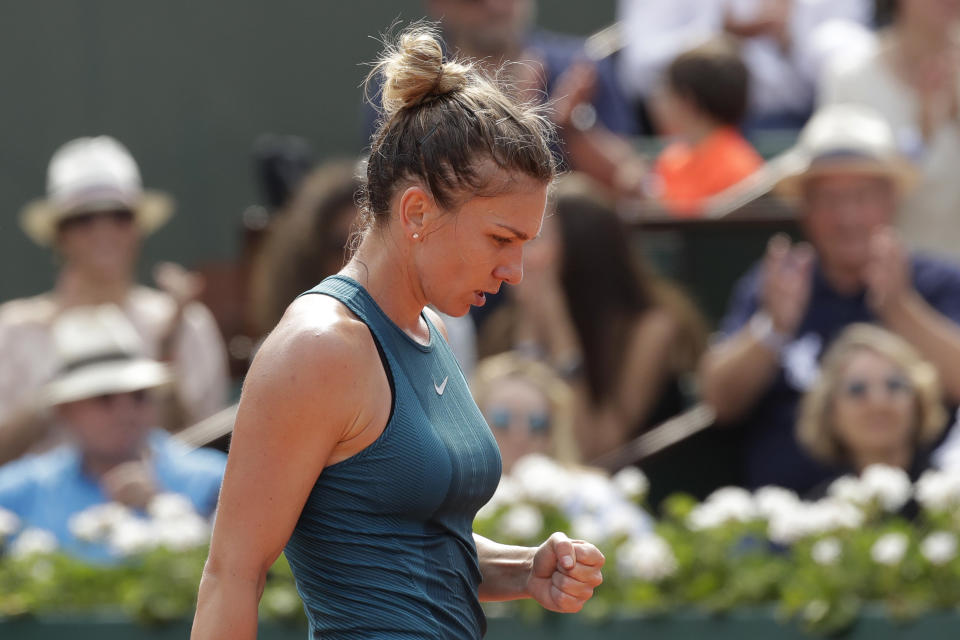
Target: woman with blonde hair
528, 406
358, 449
877, 401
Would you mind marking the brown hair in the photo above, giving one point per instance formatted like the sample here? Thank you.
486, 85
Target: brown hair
440, 121
608, 286
714, 78
303, 243
815, 428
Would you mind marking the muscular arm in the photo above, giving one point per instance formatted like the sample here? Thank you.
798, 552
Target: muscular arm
560, 574
302, 408
505, 570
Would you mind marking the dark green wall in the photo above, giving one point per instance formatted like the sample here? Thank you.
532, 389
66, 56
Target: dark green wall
188, 86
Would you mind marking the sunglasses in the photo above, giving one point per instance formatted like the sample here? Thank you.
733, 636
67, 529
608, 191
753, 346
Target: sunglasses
119, 217
859, 389
110, 400
538, 422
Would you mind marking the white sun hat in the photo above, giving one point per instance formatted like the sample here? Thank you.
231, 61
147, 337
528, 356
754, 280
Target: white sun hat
848, 138
839, 138
91, 174
100, 353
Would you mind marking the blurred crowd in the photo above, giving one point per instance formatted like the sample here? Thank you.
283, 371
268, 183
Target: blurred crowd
840, 347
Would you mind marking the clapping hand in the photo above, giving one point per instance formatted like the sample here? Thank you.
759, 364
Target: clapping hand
787, 276
564, 574
887, 273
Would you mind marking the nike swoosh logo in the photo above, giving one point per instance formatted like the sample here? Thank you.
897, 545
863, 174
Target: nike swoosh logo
439, 388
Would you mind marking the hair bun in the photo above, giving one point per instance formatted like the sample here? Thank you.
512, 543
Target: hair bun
413, 70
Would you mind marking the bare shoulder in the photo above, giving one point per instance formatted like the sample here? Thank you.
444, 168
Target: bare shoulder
318, 361
437, 322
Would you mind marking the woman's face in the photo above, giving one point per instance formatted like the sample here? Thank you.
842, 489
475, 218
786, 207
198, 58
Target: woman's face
874, 407
518, 413
101, 244
463, 255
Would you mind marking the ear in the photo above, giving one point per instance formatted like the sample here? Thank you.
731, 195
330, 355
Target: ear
416, 208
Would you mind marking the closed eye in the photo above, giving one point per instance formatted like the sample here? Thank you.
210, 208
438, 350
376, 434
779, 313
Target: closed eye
502, 240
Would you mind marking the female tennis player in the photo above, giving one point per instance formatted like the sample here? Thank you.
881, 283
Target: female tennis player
358, 449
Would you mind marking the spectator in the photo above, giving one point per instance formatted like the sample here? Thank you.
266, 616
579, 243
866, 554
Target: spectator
702, 100
94, 217
502, 36
529, 408
877, 401
784, 44
912, 79
622, 336
103, 395
307, 241
848, 178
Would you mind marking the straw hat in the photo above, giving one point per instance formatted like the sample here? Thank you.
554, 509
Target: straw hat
93, 174
101, 353
846, 138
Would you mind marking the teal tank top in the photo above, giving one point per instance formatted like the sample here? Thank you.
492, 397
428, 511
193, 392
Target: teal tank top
384, 545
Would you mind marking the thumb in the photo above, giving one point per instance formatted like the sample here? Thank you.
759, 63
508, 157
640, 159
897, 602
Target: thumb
564, 550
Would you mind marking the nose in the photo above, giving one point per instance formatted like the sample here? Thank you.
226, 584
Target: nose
511, 269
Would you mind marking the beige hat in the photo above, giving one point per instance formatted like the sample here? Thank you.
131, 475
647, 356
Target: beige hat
843, 137
91, 174
101, 353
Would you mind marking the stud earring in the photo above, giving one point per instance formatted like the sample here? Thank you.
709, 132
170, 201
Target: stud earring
416, 236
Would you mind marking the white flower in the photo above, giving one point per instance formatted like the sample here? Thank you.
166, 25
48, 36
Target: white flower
507, 494
540, 479
849, 489
590, 491
521, 521
647, 558
183, 533
889, 548
33, 542
587, 526
170, 506
729, 504
9, 522
624, 519
939, 547
771, 501
938, 490
826, 552
889, 486
132, 536
787, 526
632, 483
96, 523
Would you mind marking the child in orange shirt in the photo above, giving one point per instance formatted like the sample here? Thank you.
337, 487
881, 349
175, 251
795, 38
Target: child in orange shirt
702, 100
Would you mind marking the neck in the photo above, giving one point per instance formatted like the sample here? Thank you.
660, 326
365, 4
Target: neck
699, 130
396, 290
899, 457
842, 280
77, 288
97, 466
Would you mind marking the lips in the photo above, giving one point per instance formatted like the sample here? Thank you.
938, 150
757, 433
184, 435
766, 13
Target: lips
479, 298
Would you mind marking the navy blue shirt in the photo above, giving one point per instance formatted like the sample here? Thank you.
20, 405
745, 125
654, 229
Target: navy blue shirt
384, 546
772, 454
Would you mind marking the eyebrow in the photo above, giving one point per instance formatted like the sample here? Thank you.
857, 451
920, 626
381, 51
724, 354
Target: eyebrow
520, 234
